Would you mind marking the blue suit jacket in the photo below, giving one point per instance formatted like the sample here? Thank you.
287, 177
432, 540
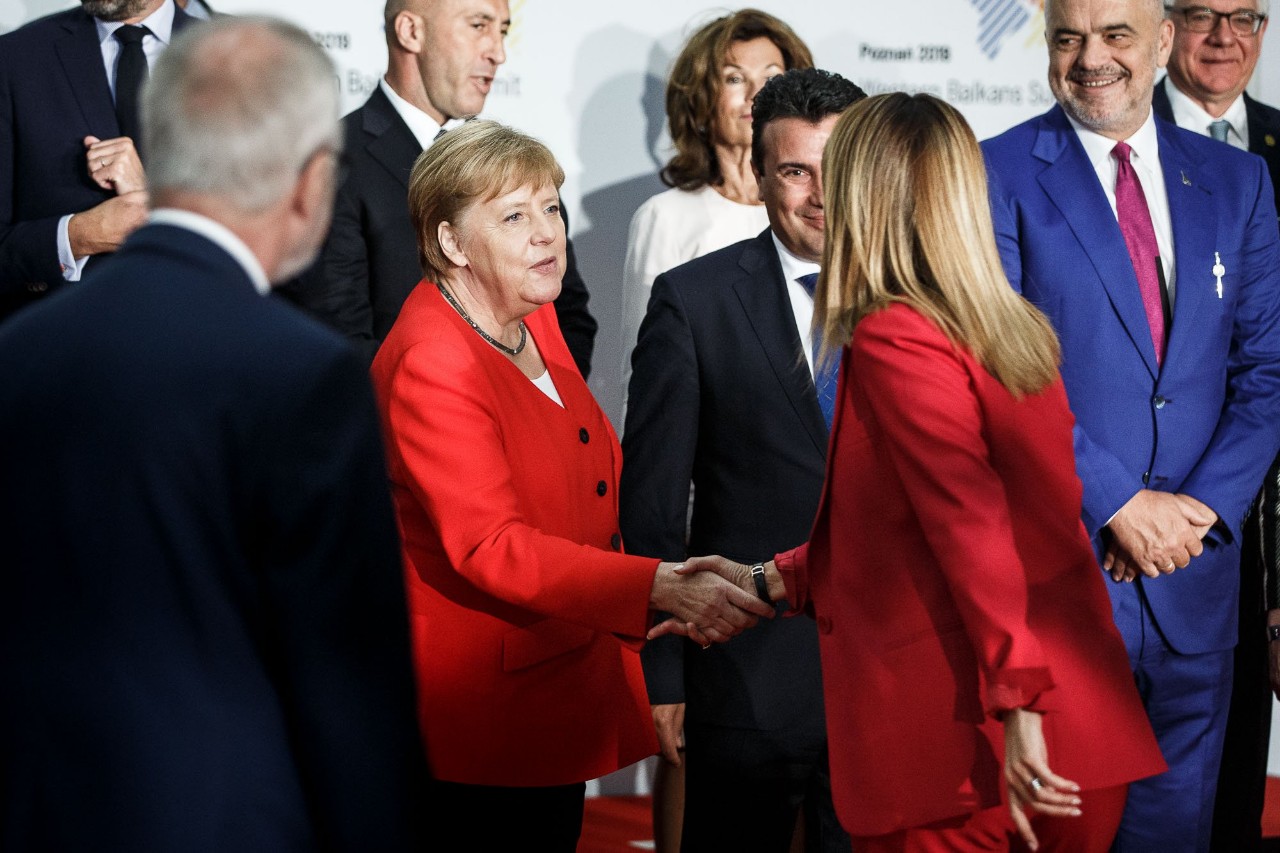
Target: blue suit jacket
203, 636
53, 93
1206, 422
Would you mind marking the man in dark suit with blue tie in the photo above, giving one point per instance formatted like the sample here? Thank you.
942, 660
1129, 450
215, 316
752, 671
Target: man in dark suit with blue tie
203, 633
724, 395
73, 183
1155, 254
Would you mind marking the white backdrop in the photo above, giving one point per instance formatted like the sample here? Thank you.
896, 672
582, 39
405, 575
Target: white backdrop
587, 77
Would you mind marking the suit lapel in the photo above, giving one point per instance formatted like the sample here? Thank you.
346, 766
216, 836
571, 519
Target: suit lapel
1083, 204
763, 295
1192, 213
391, 143
81, 57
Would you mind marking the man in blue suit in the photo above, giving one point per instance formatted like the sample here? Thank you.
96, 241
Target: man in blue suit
203, 634
72, 185
1158, 262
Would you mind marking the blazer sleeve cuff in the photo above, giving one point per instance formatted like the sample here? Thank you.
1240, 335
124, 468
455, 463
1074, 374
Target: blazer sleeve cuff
793, 567
1008, 689
663, 663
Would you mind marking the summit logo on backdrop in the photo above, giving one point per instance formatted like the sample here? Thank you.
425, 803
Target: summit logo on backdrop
999, 19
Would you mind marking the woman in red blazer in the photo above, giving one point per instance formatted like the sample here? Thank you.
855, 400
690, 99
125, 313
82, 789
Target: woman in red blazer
525, 613
969, 654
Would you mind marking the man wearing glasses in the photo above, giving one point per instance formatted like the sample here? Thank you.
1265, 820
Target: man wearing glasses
1216, 44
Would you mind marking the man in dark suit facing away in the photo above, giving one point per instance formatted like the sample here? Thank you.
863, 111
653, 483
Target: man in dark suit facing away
723, 395
1216, 45
442, 59
203, 635
72, 185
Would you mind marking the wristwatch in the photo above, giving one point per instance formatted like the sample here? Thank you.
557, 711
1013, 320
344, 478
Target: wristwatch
762, 588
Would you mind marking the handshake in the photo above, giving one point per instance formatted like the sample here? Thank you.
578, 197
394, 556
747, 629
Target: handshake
709, 599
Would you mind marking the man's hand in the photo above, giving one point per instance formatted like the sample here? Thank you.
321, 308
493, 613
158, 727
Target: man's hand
114, 164
104, 227
1156, 532
704, 601
669, 721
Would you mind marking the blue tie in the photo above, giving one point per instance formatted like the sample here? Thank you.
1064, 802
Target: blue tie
824, 376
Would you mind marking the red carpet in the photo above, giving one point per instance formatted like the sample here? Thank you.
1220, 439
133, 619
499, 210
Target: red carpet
622, 824
617, 825
1271, 811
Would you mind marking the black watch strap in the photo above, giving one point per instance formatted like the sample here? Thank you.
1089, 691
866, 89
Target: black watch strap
762, 588
1273, 631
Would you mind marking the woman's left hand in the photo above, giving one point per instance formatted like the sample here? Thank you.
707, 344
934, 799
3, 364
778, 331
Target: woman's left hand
1031, 783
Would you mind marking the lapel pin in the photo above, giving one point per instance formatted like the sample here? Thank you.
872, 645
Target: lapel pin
1186, 182
1218, 271
1270, 140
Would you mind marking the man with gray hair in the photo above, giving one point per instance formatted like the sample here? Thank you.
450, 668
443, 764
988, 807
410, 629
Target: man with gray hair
1154, 253
203, 630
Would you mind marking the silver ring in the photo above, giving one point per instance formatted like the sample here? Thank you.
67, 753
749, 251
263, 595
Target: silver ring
1035, 783
706, 646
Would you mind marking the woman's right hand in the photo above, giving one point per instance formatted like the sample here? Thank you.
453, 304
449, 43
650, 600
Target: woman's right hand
1031, 782
715, 607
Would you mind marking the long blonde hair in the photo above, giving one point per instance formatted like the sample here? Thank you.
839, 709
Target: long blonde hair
908, 220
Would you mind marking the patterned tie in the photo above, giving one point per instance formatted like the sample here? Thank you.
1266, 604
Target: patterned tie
131, 73
826, 375
1218, 129
1140, 237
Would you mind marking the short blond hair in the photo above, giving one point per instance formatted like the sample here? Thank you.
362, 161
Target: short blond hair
908, 220
474, 163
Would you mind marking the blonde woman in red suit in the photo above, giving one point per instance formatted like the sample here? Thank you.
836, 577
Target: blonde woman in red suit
978, 694
525, 613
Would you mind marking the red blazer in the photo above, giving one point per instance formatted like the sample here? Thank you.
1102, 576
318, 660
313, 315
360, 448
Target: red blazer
508, 509
952, 579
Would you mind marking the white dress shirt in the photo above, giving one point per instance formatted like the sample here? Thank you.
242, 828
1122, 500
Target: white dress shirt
160, 23
1145, 158
219, 235
1189, 115
793, 269
423, 127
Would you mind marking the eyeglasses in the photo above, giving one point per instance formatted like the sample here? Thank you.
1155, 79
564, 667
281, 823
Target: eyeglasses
1201, 19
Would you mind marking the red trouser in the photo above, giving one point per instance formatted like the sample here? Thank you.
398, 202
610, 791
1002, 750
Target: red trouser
993, 830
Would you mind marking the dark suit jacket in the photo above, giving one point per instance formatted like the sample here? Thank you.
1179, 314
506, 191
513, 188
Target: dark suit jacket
203, 637
720, 395
53, 93
370, 261
1264, 129
1203, 422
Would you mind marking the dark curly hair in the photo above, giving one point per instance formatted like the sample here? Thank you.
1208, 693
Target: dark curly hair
808, 93
693, 90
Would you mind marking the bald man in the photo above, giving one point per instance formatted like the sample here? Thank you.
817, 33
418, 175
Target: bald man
442, 57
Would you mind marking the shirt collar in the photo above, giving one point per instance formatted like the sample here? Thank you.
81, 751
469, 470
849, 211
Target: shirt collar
1190, 115
1144, 142
423, 127
792, 267
219, 235
160, 22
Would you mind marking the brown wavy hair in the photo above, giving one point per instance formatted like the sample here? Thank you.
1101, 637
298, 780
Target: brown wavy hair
693, 90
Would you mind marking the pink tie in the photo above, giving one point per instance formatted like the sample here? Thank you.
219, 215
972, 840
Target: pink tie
1140, 237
